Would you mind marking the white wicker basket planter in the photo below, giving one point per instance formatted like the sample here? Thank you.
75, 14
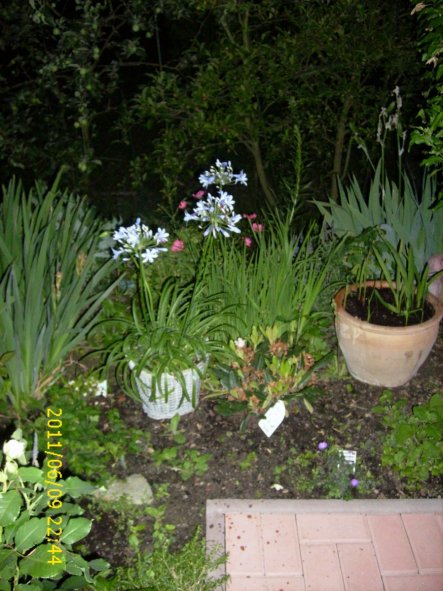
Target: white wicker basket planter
169, 398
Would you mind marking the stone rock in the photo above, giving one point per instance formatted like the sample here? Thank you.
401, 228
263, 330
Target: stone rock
135, 488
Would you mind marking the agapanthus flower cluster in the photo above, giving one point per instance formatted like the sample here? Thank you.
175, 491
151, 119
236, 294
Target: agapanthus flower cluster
216, 213
139, 241
222, 174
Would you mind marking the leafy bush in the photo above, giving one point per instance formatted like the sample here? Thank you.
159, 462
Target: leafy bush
413, 446
52, 284
430, 132
268, 368
37, 533
248, 78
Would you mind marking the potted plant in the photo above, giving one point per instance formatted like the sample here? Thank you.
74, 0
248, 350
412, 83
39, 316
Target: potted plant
165, 344
386, 327
268, 367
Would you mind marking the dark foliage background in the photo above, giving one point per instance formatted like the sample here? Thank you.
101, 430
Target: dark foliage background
134, 97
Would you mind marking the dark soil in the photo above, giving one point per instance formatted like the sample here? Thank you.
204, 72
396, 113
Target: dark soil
371, 305
249, 465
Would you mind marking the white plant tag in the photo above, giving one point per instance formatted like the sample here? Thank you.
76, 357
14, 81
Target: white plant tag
273, 418
349, 456
102, 388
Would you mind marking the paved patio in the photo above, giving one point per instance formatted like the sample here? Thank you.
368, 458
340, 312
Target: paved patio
359, 545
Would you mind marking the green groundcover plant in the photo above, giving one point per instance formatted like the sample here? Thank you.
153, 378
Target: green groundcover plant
163, 569
325, 472
37, 532
413, 445
94, 438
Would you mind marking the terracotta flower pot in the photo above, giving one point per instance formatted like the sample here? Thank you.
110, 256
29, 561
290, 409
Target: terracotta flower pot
384, 355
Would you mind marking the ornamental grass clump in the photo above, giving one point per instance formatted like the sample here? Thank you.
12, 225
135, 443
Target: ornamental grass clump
53, 282
400, 295
280, 278
405, 212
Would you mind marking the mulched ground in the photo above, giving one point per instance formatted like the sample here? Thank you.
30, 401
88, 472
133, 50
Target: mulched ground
249, 465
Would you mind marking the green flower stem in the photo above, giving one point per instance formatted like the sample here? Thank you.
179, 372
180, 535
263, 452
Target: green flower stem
201, 271
144, 292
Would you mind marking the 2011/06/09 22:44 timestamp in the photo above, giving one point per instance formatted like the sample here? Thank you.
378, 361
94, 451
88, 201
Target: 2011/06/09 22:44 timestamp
53, 481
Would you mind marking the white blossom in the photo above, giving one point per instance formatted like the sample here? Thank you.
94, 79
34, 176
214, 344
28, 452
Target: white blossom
138, 241
241, 178
222, 174
240, 343
14, 450
161, 236
216, 213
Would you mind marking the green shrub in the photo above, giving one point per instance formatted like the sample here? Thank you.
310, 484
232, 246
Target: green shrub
38, 531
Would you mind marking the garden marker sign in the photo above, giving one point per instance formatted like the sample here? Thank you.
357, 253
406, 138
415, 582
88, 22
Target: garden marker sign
273, 418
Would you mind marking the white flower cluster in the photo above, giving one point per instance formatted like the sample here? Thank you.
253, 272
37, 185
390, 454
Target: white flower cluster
139, 241
222, 174
217, 213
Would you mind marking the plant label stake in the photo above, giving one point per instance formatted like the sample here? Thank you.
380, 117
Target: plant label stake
349, 456
273, 418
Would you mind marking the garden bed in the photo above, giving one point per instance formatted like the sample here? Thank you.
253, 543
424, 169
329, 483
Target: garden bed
247, 464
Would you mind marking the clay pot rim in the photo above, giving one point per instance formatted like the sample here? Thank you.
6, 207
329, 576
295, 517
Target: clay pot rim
423, 326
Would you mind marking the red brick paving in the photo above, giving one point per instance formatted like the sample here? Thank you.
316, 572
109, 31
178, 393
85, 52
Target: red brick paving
329, 545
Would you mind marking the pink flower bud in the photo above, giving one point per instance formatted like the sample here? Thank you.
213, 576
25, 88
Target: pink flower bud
182, 205
199, 194
248, 242
257, 227
177, 246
